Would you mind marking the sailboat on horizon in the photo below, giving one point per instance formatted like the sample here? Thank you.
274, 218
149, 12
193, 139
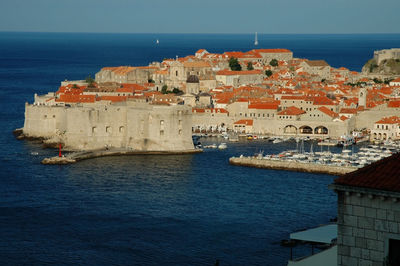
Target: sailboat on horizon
256, 40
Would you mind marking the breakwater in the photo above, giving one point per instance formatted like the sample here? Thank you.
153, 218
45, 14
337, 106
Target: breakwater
291, 165
74, 157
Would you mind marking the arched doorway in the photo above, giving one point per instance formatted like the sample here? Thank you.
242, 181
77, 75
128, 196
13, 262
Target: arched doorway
321, 130
305, 130
290, 129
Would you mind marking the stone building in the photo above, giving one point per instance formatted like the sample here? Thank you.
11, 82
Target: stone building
369, 214
125, 74
317, 67
386, 128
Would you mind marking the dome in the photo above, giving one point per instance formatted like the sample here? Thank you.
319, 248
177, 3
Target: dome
192, 79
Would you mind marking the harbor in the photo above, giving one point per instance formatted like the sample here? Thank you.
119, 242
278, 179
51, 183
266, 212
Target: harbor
343, 161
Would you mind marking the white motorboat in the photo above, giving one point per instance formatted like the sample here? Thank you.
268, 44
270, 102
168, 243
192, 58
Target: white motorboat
222, 146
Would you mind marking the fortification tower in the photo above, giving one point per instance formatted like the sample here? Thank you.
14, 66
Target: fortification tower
362, 97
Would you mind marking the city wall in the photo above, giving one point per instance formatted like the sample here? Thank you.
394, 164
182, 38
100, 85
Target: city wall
134, 126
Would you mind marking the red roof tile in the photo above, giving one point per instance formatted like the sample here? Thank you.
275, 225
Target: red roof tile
394, 104
389, 120
381, 175
270, 106
328, 111
292, 110
247, 122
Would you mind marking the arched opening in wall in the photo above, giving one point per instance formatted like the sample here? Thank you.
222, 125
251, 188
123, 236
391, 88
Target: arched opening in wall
108, 129
121, 129
305, 130
94, 130
375, 136
384, 136
321, 130
380, 136
290, 129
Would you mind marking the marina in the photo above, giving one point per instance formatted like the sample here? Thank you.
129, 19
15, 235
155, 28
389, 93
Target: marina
326, 162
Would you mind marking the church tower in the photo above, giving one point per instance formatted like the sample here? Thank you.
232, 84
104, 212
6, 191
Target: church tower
362, 97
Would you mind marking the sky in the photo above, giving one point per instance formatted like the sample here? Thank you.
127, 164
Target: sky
204, 16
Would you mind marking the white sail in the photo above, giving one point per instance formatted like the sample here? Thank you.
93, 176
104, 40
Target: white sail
256, 40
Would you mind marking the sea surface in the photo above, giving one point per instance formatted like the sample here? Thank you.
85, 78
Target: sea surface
151, 210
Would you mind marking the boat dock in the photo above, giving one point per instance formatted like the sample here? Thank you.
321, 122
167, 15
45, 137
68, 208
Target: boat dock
74, 157
291, 165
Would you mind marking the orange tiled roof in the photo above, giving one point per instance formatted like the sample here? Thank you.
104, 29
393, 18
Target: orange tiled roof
247, 122
265, 51
269, 106
196, 64
389, 120
244, 72
394, 104
328, 112
348, 111
292, 110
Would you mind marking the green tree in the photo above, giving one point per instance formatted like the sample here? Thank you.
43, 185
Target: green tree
274, 62
376, 80
250, 66
164, 89
75, 86
90, 81
176, 91
150, 81
268, 73
234, 64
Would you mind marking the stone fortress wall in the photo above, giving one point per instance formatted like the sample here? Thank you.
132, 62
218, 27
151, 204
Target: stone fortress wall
381, 55
129, 125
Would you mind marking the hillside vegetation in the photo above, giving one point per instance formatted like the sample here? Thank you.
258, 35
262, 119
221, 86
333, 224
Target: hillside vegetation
386, 67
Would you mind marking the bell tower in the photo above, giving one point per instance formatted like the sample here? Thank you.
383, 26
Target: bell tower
362, 97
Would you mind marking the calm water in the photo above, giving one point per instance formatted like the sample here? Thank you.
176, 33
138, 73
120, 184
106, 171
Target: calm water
150, 210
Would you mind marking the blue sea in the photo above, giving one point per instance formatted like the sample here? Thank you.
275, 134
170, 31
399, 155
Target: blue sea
151, 210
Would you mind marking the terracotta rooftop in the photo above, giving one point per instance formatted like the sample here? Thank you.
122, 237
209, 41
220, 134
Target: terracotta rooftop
292, 110
317, 63
393, 104
389, 120
381, 175
247, 122
271, 106
244, 72
328, 112
272, 50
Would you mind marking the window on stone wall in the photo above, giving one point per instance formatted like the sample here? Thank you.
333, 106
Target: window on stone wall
393, 257
108, 129
161, 132
180, 132
121, 129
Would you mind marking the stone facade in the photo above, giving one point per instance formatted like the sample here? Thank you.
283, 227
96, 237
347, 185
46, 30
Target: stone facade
367, 219
369, 214
128, 125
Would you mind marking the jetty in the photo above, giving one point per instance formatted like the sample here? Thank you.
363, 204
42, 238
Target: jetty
74, 157
291, 165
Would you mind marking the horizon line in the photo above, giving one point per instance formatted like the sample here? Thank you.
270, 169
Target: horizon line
199, 33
